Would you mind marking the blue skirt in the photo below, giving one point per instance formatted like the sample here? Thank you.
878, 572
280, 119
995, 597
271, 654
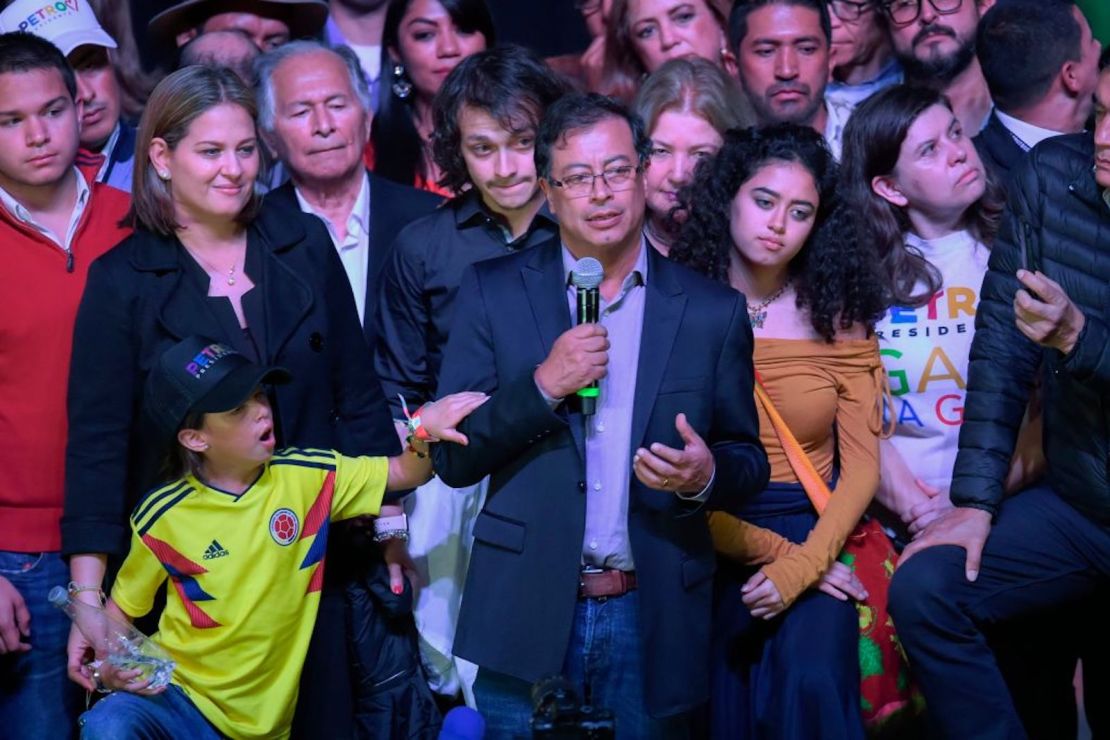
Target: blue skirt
797, 676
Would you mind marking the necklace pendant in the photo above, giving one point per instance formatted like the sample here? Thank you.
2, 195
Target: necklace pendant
757, 318
230, 280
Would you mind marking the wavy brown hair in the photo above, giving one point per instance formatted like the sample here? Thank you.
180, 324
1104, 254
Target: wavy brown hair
872, 142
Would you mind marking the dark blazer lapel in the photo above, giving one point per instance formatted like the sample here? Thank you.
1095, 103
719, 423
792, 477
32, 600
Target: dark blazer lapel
545, 289
379, 247
288, 298
664, 305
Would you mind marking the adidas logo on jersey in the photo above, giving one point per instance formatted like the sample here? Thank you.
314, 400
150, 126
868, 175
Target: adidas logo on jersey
215, 550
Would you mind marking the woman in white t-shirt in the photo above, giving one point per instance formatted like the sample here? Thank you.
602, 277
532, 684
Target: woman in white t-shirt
922, 194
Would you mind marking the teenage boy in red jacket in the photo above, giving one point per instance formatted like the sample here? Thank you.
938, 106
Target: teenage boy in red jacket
53, 224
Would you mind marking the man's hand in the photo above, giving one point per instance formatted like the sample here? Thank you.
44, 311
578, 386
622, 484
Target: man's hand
1049, 319
761, 596
962, 526
686, 471
15, 620
578, 358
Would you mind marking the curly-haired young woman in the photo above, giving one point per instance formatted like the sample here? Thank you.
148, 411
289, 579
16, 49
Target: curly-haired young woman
764, 218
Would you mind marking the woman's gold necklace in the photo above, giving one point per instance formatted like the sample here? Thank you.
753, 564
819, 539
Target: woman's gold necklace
212, 270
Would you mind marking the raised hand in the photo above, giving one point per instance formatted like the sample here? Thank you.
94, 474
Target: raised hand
1045, 314
686, 471
578, 358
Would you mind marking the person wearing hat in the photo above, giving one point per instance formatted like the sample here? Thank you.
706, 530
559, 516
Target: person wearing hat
239, 533
53, 224
107, 142
269, 23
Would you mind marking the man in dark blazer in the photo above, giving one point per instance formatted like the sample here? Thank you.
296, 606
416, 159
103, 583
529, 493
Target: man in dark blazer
1040, 62
592, 557
314, 113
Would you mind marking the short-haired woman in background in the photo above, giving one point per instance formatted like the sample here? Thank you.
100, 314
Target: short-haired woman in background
686, 106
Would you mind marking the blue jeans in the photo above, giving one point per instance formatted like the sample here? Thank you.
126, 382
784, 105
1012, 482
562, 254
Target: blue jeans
37, 699
1042, 556
605, 656
166, 716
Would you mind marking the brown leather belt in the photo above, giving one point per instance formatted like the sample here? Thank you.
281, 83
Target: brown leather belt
597, 584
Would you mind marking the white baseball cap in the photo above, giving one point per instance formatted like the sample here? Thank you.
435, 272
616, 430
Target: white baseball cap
65, 23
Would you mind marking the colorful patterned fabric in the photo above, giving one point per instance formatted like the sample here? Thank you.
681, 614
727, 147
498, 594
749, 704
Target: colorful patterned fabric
245, 574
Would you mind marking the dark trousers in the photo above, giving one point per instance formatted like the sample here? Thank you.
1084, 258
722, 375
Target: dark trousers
1042, 555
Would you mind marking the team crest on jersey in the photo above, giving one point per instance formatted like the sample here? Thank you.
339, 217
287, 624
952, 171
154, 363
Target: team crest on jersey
284, 526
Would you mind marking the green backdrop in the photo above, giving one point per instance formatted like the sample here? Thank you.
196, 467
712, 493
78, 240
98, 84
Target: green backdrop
1098, 13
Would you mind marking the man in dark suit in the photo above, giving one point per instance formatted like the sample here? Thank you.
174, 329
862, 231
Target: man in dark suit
314, 113
593, 545
1040, 62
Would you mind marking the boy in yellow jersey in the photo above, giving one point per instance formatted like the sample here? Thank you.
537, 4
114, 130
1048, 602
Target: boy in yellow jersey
240, 538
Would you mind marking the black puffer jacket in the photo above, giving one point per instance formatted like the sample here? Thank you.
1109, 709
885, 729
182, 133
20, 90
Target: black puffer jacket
1058, 222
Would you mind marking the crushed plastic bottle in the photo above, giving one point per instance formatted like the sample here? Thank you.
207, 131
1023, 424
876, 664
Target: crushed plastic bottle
116, 642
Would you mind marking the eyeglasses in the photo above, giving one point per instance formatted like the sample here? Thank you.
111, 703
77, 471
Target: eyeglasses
904, 12
581, 184
847, 10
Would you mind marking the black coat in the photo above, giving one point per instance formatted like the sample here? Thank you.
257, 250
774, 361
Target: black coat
1058, 222
522, 583
392, 207
139, 300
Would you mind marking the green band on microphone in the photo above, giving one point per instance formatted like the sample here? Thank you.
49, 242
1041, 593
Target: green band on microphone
588, 392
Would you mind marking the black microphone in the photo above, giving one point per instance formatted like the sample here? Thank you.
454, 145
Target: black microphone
586, 277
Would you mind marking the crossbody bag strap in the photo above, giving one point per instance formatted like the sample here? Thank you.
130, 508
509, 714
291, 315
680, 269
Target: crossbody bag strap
815, 487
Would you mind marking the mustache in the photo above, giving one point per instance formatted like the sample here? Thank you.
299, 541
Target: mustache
931, 29
794, 87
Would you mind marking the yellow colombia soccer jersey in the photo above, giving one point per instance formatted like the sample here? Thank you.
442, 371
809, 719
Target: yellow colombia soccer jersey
244, 574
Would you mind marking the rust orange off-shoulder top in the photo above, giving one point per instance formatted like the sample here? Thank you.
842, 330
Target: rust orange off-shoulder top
814, 385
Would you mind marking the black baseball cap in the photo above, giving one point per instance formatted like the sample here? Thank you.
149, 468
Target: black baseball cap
200, 376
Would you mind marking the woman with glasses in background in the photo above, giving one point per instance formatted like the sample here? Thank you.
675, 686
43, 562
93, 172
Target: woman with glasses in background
861, 61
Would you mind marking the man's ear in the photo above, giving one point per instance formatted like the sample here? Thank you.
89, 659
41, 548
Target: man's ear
545, 188
886, 188
193, 440
1069, 78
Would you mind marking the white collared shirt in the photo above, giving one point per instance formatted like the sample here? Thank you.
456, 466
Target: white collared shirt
354, 251
16, 209
1026, 133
